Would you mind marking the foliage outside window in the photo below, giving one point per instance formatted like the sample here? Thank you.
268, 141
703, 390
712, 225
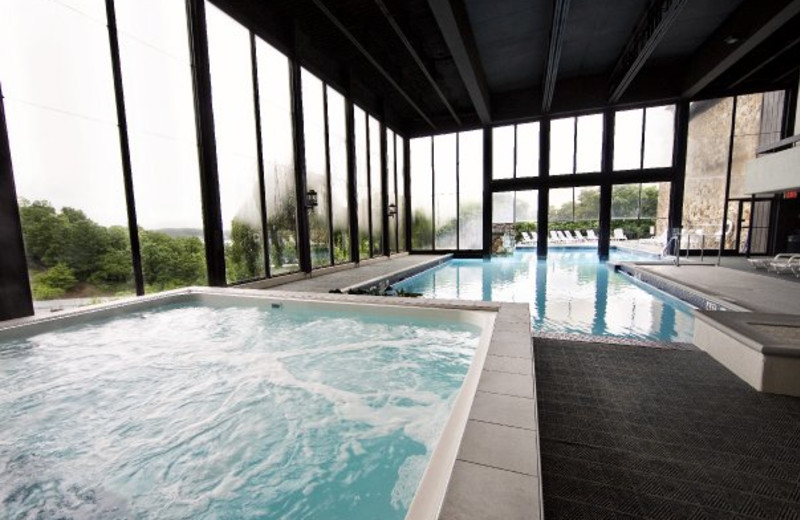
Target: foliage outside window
421, 194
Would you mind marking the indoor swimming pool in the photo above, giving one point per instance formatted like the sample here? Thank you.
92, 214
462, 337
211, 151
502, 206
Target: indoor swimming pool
569, 292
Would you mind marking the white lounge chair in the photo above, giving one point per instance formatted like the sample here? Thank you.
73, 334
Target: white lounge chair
590, 235
555, 238
783, 266
580, 236
528, 239
563, 237
569, 236
619, 234
764, 261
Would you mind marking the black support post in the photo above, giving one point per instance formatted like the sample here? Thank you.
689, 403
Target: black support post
303, 234
731, 140
262, 189
487, 192
16, 300
679, 171
407, 184
207, 143
124, 147
544, 192
352, 181
607, 166
387, 250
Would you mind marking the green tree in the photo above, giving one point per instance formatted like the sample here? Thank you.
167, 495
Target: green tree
245, 253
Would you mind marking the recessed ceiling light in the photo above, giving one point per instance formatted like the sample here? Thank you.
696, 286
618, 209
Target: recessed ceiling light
730, 40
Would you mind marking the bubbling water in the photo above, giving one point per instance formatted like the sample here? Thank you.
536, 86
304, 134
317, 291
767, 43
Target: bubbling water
191, 411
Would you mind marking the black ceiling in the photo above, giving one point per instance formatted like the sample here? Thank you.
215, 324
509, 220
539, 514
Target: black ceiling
431, 76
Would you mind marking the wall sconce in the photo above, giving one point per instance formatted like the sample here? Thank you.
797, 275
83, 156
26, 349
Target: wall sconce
311, 200
392, 210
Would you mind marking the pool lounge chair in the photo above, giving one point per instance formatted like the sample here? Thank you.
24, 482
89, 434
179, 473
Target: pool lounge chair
784, 265
580, 236
528, 239
619, 234
564, 238
590, 235
555, 238
764, 261
570, 237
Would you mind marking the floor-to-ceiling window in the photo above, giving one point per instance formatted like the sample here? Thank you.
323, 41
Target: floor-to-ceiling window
275, 100
157, 82
445, 155
400, 156
470, 189
362, 184
452, 166
237, 148
55, 66
316, 168
421, 193
711, 209
337, 150
376, 187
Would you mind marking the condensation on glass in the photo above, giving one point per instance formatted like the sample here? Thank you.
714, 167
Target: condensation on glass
445, 174
421, 194
274, 86
316, 167
470, 189
337, 149
237, 153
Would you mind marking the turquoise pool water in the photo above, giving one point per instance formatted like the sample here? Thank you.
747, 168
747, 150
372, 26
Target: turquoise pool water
191, 411
570, 292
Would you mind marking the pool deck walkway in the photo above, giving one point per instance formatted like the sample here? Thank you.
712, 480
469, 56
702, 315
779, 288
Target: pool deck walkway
324, 282
750, 290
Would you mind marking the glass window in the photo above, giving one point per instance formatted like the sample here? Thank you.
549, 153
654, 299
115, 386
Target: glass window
589, 153
503, 223
237, 156
573, 214
560, 205
444, 169
61, 115
362, 180
528, 150
375, 165
159, 103
628, 139
337, 142
706, 169
421, 194
503, 152
401, 193
316, 168
526, 210
274, 86
641, 212
562, 146
470, 204
392, 185
659, 136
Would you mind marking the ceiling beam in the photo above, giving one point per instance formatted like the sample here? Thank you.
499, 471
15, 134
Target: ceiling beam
417, 59
347, 34
751, 24
451, 16
766, 61
649, 32
558, 28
